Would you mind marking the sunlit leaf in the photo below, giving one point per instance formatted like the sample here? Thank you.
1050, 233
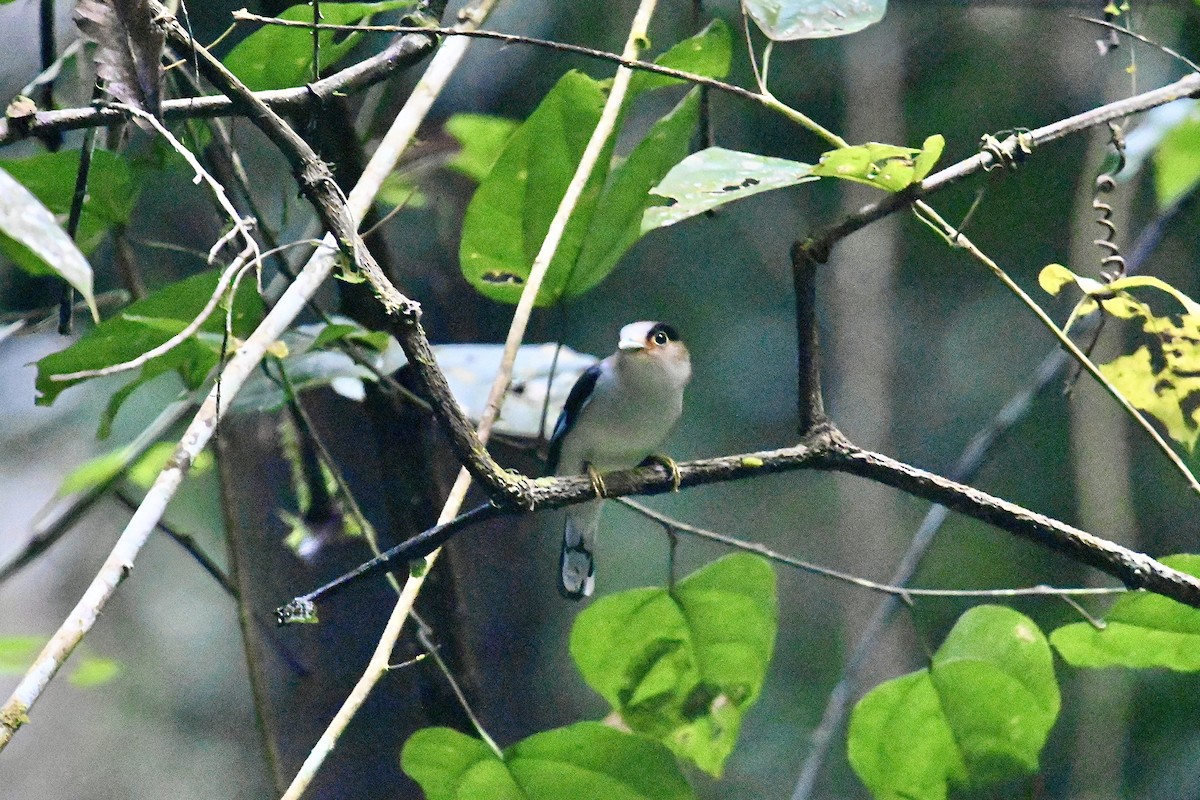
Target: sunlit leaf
584, 761
884, 166
1142, 630
979, 715
276, 57
1161, 377
684, 665
482, 138
716, 176
786, 20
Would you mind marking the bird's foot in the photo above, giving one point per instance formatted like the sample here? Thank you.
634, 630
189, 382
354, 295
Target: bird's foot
597, 482
669, 465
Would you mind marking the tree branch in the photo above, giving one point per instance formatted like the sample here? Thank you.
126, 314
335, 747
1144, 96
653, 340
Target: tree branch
825, 449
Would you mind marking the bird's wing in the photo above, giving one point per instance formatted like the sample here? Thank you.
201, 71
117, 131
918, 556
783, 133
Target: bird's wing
581, 392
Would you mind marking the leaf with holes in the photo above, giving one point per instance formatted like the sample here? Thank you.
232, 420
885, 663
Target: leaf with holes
979, 715
584, 761
1141, 631
788, 20
1162, 376
716, 176
684, 665
277, 57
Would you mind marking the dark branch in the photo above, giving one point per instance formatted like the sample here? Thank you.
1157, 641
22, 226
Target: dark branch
1009, 151
825, 449
404, 52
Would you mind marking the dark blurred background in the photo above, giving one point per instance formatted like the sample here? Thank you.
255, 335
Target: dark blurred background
922, 347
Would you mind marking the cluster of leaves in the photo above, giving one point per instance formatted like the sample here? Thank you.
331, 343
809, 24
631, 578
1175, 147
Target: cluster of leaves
680, 667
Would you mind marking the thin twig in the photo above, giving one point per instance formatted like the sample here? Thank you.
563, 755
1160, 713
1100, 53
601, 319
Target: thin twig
764, 97
902, 592
956, 239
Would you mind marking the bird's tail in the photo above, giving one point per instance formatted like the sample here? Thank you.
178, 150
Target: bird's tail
578, 576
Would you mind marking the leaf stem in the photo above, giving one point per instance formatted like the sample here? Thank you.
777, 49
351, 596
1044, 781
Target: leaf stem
956, 239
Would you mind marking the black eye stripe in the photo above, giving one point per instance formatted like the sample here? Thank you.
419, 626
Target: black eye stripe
664, 329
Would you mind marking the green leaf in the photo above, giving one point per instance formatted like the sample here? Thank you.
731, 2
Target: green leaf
979, 715
1141, 631
683, 666
150, 322
1177, 160
482, 138
585, 761
884, 166
510, 213
145, 470
716, 176
994, 676
708, 53
899, 743
94, 671
788, 20
276, 57
18, 652
617, 223
32, 238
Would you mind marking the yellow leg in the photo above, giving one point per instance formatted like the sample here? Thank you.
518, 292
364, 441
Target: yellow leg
597, 481
669, 465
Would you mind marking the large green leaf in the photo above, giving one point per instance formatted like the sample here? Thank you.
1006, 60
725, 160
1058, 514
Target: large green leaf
1142, 630
617, 223
276, 57
510, 214
684, 665
787, 20
708, 53
980, 714
146, 324
716, 176
585, 761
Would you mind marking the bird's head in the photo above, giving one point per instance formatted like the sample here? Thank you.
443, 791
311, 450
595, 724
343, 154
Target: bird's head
647, 342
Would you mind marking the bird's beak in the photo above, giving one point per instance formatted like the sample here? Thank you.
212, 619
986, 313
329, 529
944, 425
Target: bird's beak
631, 344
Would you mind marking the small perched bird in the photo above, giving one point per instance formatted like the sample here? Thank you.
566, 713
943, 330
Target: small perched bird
617, 414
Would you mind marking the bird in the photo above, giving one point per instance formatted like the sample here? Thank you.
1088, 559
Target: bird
616, 416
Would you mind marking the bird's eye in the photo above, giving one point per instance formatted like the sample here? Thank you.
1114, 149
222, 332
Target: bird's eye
661, 338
